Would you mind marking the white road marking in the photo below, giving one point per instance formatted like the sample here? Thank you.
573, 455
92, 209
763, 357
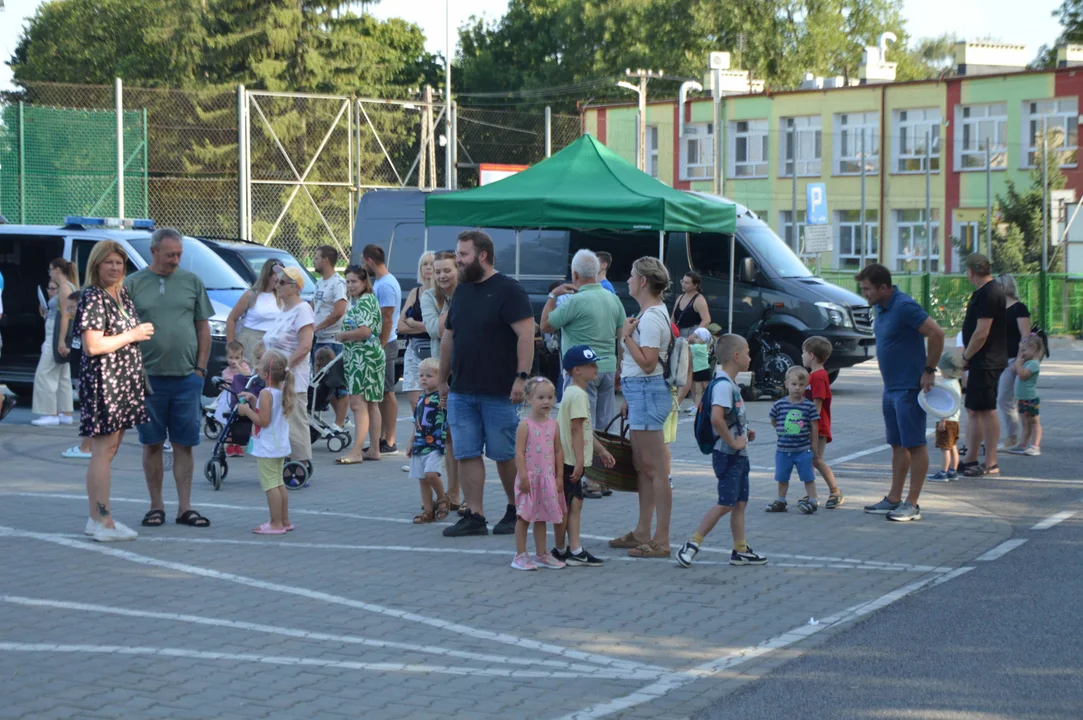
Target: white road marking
870, 451
664, 685
302, 634
1000, 550
437, 623
1054, 519
287, 660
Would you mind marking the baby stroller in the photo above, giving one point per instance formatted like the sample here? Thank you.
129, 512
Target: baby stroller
238, 430
324, 383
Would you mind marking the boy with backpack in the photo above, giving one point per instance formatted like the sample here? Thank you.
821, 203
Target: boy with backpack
721, 430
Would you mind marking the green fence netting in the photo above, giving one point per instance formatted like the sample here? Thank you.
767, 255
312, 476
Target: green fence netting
62, 161
945, 297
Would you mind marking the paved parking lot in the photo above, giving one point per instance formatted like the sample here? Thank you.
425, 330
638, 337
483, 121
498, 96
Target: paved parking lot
360, 613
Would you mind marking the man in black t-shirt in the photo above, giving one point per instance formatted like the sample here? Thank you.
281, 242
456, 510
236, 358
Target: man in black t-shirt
487, 351
985, 353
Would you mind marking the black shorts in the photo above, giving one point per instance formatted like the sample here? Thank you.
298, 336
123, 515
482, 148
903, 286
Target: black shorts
572, 488
702, 375
981, 390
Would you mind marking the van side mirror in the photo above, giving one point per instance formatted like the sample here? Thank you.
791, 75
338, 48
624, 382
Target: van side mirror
749, 271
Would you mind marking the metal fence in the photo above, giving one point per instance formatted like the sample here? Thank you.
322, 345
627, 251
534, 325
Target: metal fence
285, 169
944, 297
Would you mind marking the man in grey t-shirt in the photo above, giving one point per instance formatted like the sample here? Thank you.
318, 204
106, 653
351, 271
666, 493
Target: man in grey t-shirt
329, 307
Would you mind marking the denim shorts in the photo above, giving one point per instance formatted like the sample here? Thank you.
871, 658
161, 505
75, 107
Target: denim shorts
482, 422
173, 406
732, 473
649, 402
785, 462
904, 419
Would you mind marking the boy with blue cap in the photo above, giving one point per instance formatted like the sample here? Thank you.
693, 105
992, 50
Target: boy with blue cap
580, 446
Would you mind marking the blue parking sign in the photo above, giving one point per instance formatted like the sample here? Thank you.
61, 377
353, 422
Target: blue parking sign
816, 204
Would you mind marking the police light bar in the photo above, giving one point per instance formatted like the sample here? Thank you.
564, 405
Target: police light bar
123, 223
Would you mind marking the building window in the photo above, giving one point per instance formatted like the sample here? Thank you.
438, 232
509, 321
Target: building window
786, 219
849, 224
1061, 119
802, 137
850, 128
652, 150
911, 247
748, 149
697, 152
978, 127
912, 128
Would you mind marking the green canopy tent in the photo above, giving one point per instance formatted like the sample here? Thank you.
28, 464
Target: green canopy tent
585, 186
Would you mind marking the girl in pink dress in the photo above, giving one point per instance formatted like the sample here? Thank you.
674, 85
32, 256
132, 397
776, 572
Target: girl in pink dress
538, 456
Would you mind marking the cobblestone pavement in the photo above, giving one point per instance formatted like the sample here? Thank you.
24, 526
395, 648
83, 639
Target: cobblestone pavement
360, 613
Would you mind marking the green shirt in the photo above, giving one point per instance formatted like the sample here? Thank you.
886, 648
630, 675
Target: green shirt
592, 317
699, 357
173, 304
1028, 389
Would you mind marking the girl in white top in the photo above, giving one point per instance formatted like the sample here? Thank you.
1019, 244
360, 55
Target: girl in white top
256, 311
271, 436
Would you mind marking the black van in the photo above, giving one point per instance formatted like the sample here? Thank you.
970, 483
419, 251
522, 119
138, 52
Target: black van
772, 282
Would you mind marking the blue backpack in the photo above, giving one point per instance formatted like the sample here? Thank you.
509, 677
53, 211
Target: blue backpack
706, 437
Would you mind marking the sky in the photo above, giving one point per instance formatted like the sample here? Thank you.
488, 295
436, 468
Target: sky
1004, 20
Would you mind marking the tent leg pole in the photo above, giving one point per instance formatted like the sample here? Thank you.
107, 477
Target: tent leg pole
662, 246
733, 255
426, 239
516, 254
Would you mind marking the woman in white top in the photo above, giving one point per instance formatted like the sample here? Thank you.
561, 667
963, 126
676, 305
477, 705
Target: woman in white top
52, 379
292, 335
412, 328
257, 310
648, 401
434, 306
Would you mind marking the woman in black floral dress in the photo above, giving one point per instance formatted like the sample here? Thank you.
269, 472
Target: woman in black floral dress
112, 389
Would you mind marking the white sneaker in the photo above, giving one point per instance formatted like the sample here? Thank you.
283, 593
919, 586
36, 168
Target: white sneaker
690, 410
92, 527
46, 421
167, 447
405, 468
75, 453
1033, 451
65, 420
334, 428
118, 533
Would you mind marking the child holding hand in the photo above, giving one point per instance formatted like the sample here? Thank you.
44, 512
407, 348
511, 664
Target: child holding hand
271, 435
538, 456
1027, 367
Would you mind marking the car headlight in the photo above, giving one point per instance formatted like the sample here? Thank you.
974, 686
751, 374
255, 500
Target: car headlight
836, 315
218, 328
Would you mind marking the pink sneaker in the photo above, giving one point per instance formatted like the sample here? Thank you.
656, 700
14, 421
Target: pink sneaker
548, 562
522, 561
234, 451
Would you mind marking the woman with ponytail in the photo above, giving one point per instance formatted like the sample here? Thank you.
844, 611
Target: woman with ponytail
52, 379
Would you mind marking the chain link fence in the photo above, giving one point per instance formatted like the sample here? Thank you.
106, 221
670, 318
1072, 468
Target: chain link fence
507, 137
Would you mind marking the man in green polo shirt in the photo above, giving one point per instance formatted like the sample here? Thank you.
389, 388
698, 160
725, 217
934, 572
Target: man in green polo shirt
175, 360
590, 316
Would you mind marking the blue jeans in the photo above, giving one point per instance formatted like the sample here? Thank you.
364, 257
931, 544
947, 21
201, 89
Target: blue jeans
174, 409
785, 462
482, 422
904, 420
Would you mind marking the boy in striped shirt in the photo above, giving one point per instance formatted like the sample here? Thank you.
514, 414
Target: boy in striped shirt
796, 421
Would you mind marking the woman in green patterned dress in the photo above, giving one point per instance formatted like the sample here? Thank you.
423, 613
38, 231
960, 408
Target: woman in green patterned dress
364, 363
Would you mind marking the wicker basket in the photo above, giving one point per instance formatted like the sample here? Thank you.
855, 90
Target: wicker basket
622, 476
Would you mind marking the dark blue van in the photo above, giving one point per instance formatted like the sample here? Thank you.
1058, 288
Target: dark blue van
771, 281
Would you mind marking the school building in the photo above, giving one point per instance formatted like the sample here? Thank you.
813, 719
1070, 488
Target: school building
975, 129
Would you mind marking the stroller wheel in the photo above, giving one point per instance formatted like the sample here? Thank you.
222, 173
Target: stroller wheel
211, 428
348, 439
215, 471
295, 475
336, 443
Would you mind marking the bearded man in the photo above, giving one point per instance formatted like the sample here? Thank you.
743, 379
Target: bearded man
486, 354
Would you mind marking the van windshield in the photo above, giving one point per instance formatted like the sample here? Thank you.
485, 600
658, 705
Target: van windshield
776, 254
215, 272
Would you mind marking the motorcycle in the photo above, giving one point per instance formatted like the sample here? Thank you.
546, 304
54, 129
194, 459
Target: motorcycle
770, 362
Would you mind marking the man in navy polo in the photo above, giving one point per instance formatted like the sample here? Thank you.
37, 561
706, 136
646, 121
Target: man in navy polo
907, 366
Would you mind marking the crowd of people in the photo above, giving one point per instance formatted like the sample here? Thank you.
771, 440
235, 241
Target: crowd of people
469, 334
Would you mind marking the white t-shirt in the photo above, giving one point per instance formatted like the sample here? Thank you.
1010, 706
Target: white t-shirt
284, 338
328, 292
272, 441
653, 331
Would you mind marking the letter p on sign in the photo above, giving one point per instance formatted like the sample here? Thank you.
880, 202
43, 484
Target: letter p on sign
816, 203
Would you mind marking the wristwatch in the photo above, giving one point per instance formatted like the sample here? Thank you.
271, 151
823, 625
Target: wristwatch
930, 370
202, 371
522, 375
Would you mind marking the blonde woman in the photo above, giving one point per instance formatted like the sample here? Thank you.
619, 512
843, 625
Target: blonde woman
412, 330
112, 384
292, 335
434, 307
256, 311
648, 401
52, 379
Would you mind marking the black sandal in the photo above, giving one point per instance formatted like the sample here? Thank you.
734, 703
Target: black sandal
191, 518
154, 518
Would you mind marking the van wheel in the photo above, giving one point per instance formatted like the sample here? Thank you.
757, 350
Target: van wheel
832, 376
